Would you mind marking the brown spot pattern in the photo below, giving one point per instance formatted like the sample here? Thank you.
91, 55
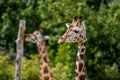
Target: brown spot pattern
39, 48
80, 67
45, 59
81, 56
84, 38
82, 77
76, 73
43, 51
35, 38
79, 35
83, 49
75, 37
46, 78
51, 74
78, 38
45, 69
84, 43
41, 62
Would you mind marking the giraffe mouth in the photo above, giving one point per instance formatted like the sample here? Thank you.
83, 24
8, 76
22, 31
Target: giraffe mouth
61, 40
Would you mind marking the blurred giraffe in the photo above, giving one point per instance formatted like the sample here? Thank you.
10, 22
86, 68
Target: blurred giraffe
37, 38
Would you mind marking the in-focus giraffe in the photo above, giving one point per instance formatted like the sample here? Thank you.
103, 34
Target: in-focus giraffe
76, 32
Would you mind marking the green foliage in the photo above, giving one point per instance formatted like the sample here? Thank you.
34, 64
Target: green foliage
62, 72
30, 68
103, 46
6, 67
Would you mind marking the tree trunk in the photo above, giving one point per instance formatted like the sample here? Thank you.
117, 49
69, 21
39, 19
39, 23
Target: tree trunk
20, 49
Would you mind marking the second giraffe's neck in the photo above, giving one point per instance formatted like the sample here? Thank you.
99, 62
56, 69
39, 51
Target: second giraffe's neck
45, 72
81, 73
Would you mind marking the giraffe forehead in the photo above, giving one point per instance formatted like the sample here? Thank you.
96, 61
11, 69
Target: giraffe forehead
37, 34
71, 30
76, 28
32, 36
40, 38
74, 24
36, 37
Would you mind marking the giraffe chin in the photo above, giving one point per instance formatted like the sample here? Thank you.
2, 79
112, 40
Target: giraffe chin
60, 41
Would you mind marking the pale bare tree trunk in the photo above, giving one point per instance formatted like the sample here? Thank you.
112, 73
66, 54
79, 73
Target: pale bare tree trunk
20, 49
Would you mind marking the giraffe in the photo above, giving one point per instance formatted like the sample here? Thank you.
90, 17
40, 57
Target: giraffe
76, 32
37, 38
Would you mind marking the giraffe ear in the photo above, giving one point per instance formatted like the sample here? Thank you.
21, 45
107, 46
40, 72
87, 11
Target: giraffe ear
41, 30
68, 25
83, 24
46, 37
74, 19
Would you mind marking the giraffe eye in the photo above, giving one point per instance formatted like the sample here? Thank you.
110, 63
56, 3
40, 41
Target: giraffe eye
76, 31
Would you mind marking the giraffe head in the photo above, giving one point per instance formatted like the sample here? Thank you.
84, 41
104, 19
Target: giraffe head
75, 32
35, 37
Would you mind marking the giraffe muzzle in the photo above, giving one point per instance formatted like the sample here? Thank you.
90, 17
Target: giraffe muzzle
61, 40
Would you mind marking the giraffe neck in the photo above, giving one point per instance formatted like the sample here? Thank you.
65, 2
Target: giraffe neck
45, 72
81, 73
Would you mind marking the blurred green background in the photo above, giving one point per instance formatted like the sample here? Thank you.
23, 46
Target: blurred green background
102, 18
